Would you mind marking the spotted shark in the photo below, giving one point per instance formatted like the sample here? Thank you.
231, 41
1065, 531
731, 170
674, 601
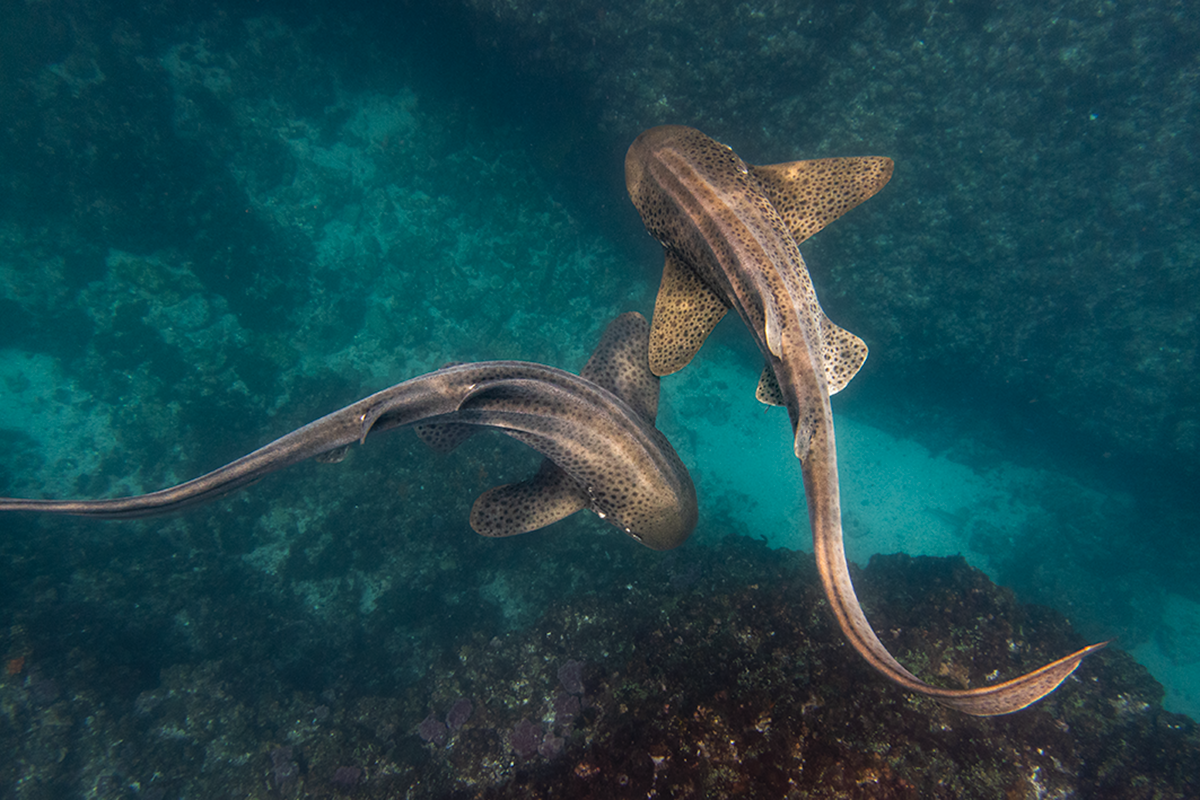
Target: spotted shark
596, 430
731, 232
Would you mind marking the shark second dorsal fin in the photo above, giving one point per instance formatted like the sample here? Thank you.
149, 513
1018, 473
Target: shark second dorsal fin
811, 194
843, 354
547, 497
685, 313
620, 364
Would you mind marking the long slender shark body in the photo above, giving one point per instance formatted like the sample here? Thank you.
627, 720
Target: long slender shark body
731, 233
596, 431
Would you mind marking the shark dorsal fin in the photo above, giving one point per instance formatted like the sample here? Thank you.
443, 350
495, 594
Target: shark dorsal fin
547, 497
685, 313
811, 194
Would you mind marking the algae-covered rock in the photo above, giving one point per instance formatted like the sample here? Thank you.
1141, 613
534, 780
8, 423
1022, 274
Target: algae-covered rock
715, 672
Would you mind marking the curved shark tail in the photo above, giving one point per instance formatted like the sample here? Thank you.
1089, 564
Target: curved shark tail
824, 508
1013, 695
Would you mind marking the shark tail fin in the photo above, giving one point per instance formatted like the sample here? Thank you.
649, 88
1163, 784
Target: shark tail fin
547, 497
1018, 693
811, 194
685, 313
620, 363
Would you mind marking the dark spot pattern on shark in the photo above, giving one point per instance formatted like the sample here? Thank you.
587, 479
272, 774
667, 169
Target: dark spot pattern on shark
596, 431
730, 231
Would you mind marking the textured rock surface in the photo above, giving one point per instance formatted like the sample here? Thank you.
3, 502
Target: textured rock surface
711, 673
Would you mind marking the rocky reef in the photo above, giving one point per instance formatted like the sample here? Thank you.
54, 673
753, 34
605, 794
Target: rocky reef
219, 222
712, 672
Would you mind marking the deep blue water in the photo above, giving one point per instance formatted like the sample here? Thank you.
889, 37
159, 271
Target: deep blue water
221, 223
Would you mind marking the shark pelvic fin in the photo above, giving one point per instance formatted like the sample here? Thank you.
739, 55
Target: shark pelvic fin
768, 390
843, 354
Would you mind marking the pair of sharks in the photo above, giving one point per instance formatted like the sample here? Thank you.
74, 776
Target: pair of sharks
731, 232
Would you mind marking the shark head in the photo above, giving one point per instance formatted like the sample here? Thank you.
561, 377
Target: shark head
731, 232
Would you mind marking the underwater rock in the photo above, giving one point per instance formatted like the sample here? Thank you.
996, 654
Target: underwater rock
570, 676
284, 769
347, 777
432, 730
743, 689
525, 738
551, 745
459, 713
566, 708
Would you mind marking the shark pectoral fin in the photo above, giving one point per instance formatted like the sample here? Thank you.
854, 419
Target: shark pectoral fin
685, 313
444, 436
514, 508
843, 354
768, 390
620, 364
811, 194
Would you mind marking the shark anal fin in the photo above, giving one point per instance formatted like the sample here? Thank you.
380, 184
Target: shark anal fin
685, 313
620, 364
843, 354
444, 436
334, 456
547, 497
768, 390
811, 194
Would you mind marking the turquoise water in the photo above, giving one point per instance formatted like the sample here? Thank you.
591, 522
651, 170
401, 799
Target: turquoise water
218, 227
